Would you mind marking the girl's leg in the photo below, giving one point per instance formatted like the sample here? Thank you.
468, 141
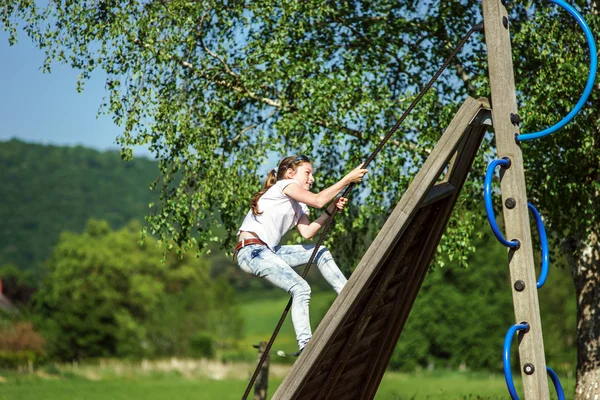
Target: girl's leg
296, 255
263, 263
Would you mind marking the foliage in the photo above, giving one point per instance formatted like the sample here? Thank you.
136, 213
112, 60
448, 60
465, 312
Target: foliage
20, 336
105, 295
17, 285
49, 189
461, 316
205, 85
20, 344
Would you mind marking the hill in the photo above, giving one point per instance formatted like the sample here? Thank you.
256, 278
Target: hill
49, 189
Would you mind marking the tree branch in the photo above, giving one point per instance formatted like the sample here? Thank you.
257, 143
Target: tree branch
349, 131
246, 129
464, 76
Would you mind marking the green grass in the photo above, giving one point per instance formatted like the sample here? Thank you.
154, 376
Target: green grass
119, 380
262, 314
146, 389
166, 386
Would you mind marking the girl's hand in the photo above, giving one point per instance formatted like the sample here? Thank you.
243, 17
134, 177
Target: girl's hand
357, 174
340, 203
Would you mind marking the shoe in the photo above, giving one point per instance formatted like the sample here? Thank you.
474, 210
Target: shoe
282, 353
296, 354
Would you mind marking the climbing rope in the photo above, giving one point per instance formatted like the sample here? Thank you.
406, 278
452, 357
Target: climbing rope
325, 231
515, 244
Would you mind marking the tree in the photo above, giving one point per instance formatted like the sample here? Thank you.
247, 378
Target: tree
17, 285
105, 295
50, 189
217, 90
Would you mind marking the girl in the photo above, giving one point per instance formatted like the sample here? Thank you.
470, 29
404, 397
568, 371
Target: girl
277, 208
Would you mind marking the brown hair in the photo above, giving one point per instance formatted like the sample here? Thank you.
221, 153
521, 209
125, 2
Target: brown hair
292, 162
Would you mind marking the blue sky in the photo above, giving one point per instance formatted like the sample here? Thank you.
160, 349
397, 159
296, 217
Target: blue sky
46, 108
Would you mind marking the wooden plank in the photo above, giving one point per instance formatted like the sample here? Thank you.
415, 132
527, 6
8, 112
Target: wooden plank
380, 250
368, 312
516, 220
462, 163
402, 307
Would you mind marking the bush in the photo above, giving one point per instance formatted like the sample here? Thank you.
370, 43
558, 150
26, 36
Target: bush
17, 359
20, 336
202, 345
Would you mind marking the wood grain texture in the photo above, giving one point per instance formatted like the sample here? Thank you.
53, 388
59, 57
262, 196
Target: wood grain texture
516, 220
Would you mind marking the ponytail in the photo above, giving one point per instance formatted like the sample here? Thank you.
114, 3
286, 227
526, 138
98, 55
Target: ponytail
271, 180
291, 162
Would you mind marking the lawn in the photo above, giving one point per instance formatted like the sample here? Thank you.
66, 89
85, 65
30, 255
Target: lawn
262, 314
196, 379
172, 385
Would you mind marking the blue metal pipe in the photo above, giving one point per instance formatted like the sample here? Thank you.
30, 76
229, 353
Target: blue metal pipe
544, 242
510, 384
591, 77
487, 196
557, 386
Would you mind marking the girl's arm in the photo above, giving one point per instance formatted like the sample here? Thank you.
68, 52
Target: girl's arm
319, 200
309, 229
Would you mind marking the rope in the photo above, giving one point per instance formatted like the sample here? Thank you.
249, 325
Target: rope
325, 231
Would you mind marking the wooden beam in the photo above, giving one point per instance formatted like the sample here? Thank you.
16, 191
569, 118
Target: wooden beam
461, 164
516, 220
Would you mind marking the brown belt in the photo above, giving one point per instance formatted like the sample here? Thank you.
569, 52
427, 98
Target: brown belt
247, 242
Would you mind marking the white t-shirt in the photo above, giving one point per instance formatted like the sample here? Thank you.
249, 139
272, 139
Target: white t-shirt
280, 213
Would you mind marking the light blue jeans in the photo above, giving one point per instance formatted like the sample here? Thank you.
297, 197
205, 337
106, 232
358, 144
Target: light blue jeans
277, 268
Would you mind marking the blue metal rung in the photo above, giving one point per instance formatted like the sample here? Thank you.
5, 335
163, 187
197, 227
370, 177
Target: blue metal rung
544, 242
508, 372
591, 77
487, 196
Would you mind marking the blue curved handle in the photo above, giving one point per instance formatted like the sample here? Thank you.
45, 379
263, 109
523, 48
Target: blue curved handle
544, 242
508, 372
510, 384
487, 196
557, 386
591, 77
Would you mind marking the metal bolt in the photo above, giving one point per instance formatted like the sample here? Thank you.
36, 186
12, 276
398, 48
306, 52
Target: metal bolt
515, 119
505, 22
519, 285
510, 203
529, 368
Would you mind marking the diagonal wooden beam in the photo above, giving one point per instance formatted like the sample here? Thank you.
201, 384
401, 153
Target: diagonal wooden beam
462, 163
387, 274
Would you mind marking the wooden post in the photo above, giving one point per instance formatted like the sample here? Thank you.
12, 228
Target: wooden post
516, 219
262, 380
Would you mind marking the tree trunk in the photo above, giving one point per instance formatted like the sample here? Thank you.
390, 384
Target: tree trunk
584, 259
